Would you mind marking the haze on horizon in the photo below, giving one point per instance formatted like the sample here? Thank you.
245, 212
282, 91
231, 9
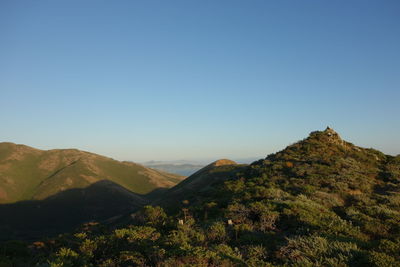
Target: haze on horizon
169, 80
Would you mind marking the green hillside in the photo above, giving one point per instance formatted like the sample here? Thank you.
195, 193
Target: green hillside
319, 202
199, 183
31, 174
43, 193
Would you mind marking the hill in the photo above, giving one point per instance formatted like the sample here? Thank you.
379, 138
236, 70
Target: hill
203, 180
47, 192
319, 202
27, 173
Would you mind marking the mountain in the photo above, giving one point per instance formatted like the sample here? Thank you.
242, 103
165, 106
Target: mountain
45, 192
321, 201
181, 168
27, 173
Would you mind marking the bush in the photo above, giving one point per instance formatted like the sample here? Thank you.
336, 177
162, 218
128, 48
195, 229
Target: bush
380, 259
217, 232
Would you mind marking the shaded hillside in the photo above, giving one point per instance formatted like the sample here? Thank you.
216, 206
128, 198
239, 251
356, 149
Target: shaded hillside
319, 202
203, 180
27, 173
66, 210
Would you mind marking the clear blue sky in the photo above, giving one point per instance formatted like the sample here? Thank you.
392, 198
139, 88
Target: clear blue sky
141, 80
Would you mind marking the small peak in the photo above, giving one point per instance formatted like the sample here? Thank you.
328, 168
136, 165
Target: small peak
222, 162
328, 135
330, 132
217, 163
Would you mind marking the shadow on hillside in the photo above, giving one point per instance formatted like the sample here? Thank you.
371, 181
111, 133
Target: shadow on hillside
66, 210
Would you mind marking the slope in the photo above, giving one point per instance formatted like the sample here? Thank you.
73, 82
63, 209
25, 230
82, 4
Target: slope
319, 202
203, 180
44, 193
66, 210
27, 173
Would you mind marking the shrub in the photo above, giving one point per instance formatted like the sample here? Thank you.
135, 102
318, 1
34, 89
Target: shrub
217, 232
380, 259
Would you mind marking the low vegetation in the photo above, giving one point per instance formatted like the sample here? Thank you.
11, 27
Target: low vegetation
319, 202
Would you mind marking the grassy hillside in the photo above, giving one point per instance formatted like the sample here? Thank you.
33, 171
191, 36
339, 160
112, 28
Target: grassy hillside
202, 181
66, 210
27, 173
320, 202
43, 193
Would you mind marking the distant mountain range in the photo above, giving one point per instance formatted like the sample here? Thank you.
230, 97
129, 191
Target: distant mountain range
184, 168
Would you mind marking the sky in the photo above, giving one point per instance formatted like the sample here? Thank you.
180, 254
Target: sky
168, 80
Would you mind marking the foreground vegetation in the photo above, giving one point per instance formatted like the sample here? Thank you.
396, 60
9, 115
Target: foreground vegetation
319, 202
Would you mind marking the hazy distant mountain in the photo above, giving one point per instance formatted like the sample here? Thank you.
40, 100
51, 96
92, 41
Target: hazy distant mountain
177, 162
246, 160
181, 167
187, 167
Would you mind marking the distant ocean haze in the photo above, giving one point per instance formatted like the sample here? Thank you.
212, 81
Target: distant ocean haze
187, 167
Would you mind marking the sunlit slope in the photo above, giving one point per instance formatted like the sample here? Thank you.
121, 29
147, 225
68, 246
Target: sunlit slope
203, 181
29, 173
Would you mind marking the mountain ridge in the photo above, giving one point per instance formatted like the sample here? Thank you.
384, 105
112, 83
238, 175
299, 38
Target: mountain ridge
85, 185
30, 173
